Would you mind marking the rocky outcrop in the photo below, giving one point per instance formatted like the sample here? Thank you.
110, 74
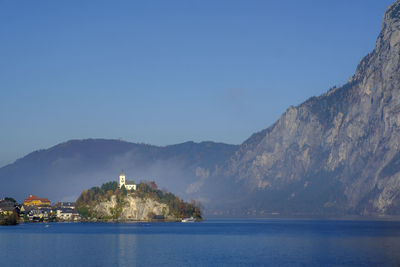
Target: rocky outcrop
131, 208
336, 153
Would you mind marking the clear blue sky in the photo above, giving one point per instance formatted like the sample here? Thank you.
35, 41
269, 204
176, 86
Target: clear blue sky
165, 72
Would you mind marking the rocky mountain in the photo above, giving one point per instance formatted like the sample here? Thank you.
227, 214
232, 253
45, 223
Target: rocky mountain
338, 153
63, 171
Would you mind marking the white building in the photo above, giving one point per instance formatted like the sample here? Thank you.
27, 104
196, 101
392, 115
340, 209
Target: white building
67, 215
128, 185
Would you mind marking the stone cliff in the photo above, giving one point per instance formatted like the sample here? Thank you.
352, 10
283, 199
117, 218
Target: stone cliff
133, 209
338, 153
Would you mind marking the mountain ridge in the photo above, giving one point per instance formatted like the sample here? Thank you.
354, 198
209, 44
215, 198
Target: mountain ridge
343, 143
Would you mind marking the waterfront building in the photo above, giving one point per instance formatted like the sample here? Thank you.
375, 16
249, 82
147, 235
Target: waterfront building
38, 215
67, 214
35, 201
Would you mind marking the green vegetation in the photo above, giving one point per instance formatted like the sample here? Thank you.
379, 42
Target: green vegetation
11, 219
10, 199
95, 195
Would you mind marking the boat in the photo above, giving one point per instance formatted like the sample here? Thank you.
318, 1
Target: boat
191, 219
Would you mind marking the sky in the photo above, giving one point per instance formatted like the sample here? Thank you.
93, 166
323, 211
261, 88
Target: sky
167, 72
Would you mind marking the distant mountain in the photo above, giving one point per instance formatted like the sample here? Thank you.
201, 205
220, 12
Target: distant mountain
63, 171
335, 154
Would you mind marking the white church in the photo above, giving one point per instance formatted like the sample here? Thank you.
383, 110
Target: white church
128, 184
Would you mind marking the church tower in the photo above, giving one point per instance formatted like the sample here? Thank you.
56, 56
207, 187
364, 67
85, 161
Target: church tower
121, 179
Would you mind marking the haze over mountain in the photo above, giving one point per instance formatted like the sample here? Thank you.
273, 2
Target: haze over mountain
63, 171
335, 154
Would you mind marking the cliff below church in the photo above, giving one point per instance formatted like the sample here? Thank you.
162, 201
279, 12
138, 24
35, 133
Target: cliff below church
132, 208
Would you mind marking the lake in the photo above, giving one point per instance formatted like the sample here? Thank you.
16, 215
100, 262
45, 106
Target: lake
209, 243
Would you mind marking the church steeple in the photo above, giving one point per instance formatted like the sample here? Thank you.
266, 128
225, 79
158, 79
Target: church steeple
121, 179
123, 182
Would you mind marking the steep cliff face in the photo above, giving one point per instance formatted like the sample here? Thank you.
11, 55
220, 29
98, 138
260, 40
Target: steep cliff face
132, 209
336, 153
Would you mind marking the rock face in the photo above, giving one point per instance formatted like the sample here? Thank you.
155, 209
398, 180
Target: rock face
336, 153
133, 209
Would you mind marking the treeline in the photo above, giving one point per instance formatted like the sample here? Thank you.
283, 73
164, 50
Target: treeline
177, 206
96, 195
10, 219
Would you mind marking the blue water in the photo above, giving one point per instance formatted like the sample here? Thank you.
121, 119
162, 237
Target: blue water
209, 243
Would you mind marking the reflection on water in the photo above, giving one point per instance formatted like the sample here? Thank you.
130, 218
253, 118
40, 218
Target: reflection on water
127, 250
212, 243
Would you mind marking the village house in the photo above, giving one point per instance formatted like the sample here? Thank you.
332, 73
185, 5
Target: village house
39, 214
67, 214
35, 201
22, 213
7, 207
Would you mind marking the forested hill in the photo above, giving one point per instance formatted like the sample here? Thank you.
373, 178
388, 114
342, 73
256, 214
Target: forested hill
109, 202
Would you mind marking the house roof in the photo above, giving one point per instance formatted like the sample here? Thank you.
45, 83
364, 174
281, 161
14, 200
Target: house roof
32, 198
66, 210
68, 203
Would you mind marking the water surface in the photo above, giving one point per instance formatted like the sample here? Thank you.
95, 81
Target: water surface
209, 243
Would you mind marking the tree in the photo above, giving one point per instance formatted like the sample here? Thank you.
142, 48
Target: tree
10, 199
153, 185
84, 211
124, 192
109, 186
11, 219
109, 194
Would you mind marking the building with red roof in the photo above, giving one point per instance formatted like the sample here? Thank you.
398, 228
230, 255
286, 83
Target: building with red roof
35, 201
